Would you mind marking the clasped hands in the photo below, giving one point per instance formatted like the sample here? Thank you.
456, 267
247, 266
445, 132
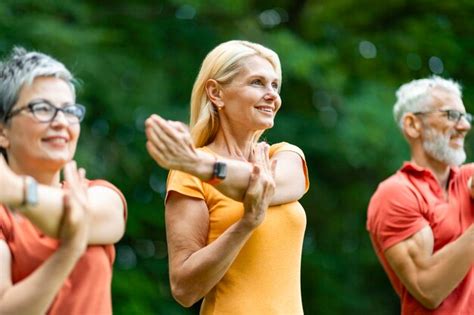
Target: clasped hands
74, 226
171, 146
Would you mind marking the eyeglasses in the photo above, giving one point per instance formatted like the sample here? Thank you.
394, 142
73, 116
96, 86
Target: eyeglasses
453, 115
45, 112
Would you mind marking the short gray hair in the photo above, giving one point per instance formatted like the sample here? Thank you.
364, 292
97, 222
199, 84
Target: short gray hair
22, 67
414, 96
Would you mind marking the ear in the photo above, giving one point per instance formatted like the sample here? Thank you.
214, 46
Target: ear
4, 142
412, 126
214, 93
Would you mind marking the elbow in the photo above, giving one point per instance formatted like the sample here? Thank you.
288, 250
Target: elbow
184, 295
431, 303
429, 300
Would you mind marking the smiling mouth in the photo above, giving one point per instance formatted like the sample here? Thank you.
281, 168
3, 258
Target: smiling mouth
265, 109
55, 140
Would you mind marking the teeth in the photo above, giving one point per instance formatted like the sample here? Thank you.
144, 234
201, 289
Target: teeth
57, 140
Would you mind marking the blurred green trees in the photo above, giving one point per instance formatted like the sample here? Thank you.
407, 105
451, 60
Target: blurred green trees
342, 62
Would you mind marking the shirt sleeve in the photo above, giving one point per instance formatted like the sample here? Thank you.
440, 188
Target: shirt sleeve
395, 214
184, 184
100, 182
5, 223
284, 146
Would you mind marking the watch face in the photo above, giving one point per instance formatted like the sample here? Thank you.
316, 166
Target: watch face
220, 170
31, 193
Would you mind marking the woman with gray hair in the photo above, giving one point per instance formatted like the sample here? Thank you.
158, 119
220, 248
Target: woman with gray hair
56, 238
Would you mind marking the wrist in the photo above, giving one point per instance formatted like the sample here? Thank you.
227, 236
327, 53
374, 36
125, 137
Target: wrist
71, 250
16, 196
30, 193
205, 167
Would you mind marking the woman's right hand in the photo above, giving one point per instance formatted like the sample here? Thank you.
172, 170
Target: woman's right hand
170, 144
74, 229
261, 186
11, 185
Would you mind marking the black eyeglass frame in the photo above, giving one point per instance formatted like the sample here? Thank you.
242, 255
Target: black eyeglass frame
452, 114
30, 107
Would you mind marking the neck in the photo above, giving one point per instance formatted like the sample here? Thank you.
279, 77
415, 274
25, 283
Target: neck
440, 170
47, 177
236, 145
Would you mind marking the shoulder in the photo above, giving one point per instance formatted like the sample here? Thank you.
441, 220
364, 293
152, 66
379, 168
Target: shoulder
394, 197
395, 187
104, 187
285, 146
185, 184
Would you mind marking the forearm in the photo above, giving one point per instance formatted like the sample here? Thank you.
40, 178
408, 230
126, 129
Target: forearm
34, 294
445, 270
290, 176
200, 272
106, 211
48, 212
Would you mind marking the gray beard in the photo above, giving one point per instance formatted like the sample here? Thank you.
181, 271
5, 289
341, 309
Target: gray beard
437, 145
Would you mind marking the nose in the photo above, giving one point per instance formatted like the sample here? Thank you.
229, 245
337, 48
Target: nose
271, 93
463, 124
59, 119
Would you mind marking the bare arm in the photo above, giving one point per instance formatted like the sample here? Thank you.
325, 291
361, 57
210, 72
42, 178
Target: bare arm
195, 268
106, 208
429, 277
170, 145
34, 294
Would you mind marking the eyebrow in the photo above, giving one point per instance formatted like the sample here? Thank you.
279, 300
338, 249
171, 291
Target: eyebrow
261, 76
39, 100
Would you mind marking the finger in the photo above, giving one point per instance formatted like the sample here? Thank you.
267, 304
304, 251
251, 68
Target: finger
158, 139
151, 120
259, 154
168, 128
252, 187
252, 153
266, 156
66, 209
273, 168
82, 179
165, 140
156, 154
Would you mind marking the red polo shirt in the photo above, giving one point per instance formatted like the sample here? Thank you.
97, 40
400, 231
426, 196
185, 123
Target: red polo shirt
410, 200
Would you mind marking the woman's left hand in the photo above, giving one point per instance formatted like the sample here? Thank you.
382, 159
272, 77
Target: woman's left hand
11, 185
170, 144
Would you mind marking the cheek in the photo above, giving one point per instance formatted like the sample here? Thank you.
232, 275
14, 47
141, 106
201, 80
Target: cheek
278, 105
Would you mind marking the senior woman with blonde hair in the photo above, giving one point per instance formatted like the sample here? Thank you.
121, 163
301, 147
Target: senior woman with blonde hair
56, 239
234, 225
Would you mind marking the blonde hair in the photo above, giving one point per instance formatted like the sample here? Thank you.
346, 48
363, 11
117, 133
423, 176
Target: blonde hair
222, 64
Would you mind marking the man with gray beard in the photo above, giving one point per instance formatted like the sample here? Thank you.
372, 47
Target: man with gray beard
420, 219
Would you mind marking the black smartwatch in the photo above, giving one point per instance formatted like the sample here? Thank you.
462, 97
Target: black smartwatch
219, 173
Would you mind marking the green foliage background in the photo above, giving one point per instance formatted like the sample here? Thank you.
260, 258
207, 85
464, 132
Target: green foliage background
342, 62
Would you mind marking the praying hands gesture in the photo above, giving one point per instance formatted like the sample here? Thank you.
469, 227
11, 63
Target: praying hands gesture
170, 144
261, 185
